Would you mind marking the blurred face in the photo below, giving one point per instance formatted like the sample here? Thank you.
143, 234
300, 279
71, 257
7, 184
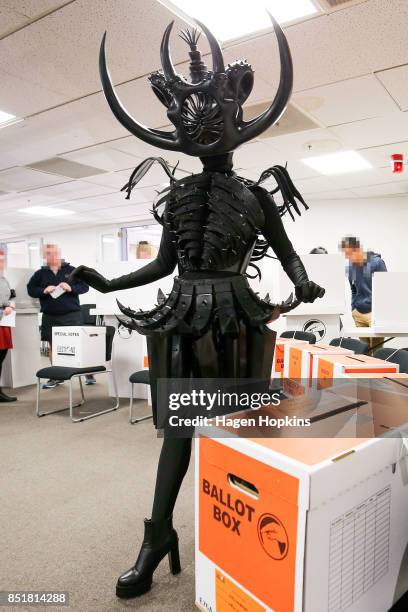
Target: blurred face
2, 263
354, 255
52, 255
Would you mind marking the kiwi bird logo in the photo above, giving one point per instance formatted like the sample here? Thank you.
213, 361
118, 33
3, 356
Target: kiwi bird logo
316, 327
273, 537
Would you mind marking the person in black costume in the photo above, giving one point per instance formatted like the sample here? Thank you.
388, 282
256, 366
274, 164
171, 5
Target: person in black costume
215, 224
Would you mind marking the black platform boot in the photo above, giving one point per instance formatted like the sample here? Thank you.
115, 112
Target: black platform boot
6, 398
159, 540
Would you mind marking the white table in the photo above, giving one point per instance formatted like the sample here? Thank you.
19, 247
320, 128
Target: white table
129, 352
24, 360
375, 332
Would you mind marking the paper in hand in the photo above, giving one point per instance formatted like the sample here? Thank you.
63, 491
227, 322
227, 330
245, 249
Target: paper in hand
8, 320
57, 292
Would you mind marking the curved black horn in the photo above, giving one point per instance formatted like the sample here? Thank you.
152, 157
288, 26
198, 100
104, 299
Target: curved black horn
157, 138
253, 128
168, 68
216, 52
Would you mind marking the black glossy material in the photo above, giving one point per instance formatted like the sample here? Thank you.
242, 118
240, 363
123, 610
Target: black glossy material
207, 111
160, 539
64, 373
216, 224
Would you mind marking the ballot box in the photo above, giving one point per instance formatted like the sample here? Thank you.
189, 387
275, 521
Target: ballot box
279, 354
329, 368
298, 365
300, 524
78, 346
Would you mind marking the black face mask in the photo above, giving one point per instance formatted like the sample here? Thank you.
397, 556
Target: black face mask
207, 110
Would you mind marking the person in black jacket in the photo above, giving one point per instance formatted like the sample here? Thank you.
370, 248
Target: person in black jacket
62, 310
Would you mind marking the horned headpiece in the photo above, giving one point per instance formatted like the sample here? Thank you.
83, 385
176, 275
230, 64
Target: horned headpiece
206, 111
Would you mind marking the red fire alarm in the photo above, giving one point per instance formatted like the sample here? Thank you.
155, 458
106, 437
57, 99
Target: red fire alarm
397, 163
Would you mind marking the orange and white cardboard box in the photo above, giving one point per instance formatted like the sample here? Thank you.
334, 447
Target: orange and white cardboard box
298, 365
78, 346
279, 355
327, 369
300, 525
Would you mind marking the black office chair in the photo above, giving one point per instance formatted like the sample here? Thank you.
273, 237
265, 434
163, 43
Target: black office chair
65, 373
393, 355
300, 335
142, 378
87, 318
353, 344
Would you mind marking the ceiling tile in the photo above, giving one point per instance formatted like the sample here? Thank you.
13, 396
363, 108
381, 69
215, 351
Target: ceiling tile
385, 189
395, 80
65, 167
62, 193
381, 156
137, 147
346, 101
255, 154
373, 132
103, 156
339, 194
74, 32
17, 179
315, 185
21, 98
10, 20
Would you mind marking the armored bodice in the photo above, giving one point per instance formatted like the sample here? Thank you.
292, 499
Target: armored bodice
214, 220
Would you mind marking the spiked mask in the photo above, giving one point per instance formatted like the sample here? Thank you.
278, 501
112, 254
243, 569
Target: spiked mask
207, 110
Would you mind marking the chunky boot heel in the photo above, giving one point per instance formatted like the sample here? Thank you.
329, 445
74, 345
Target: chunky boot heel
160, 539
174, 560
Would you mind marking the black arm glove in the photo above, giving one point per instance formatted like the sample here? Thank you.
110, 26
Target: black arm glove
162, 266
275, 234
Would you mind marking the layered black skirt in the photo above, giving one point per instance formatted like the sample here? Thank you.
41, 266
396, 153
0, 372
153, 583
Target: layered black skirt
207, 328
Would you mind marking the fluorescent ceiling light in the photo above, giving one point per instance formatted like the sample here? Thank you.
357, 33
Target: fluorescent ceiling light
45, 211
231, 19
338, 163
6, 117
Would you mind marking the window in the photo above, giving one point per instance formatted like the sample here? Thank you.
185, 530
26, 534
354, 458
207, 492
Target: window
34, 254
17, 255
140, 242
109, 248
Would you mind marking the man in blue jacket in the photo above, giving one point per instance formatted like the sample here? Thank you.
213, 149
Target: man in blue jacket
362, 266
63, 310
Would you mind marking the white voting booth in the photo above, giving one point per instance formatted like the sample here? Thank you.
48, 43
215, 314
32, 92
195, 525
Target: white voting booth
22, 363
323, 316
390, 302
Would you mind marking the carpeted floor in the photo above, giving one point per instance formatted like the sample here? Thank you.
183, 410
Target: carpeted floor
73, 499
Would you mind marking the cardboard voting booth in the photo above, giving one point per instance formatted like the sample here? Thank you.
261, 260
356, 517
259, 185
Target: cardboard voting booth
78, 346
300, 525
322, 318
390, 295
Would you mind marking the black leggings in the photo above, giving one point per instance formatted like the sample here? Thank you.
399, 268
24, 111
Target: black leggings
3, 353
173, 465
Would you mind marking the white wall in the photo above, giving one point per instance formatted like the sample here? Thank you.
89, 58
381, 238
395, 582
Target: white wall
381, 224
78, 246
